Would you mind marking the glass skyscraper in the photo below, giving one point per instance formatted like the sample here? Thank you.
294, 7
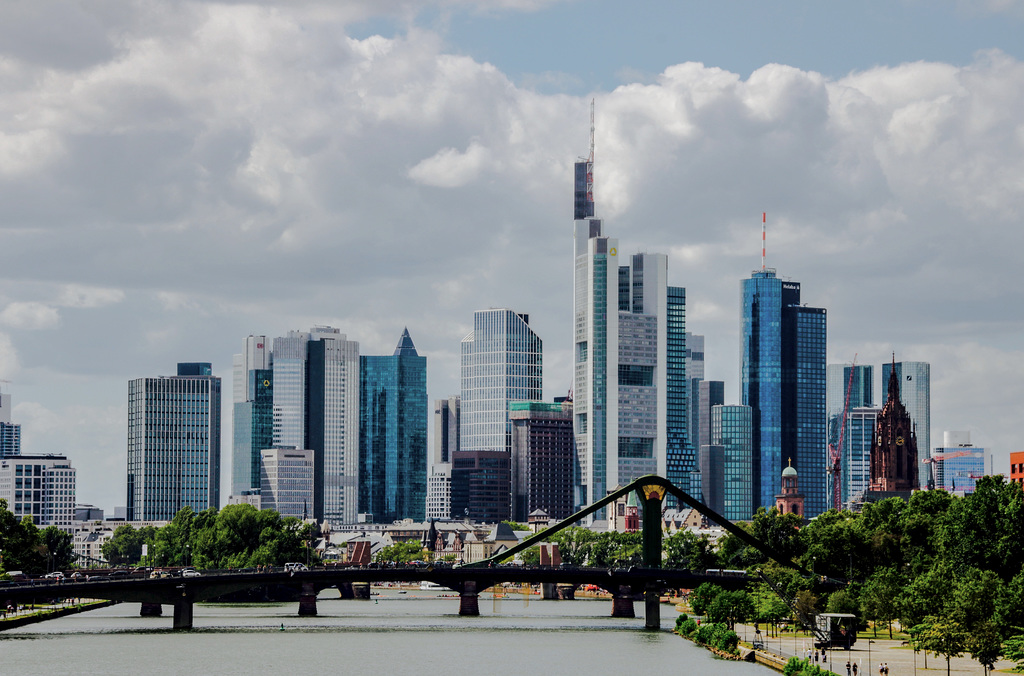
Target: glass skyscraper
316, 407
915, 393
782, 374
856, 465
731, 431
502, 361
393, 434
680, 454
854, 455
252, 413
173, 443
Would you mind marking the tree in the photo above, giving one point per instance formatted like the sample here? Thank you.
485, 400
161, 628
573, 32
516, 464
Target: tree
20, 542
877, 597
1013, 649
985, 644
401, 552
124, 547
731, 607
685, 549
943, 636
702, 596
768, 607
60, 550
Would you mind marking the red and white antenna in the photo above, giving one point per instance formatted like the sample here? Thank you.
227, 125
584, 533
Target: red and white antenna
590, 159
764, 220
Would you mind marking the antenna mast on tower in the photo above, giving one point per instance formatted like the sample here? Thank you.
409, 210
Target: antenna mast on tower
590, 158
764, 220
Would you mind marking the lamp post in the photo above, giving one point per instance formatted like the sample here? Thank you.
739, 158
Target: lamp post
869, 652
188, 549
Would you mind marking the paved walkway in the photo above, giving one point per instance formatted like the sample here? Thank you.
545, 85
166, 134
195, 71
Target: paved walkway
900, 658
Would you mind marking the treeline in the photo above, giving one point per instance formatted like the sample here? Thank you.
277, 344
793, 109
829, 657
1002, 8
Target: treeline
27, 548
237, 536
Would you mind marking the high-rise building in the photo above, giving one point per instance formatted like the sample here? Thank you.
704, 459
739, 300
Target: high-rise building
695, 374
10, 434
393, 434
40, 486
855, 471
958, 464
316, 406
861, 384
914, 379
680, 452
482, 486
173, 443
439, 491
782, 372
502, 361
286, 481
710, 393
446, 429
542, 459
731, 430
252, 412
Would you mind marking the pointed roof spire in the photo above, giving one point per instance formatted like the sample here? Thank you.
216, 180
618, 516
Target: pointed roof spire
405, 347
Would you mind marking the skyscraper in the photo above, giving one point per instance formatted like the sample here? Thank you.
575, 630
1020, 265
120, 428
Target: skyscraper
731, 430
10, 434
542, 459
630, 381
252, 412
915, 392
853, 470
695, 374
393, 434
958, 464
39, 486
782, 372
447, 414
286, 481
316, 407
173, 443
502, 361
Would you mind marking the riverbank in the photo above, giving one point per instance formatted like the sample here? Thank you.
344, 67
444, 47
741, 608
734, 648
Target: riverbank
33, 614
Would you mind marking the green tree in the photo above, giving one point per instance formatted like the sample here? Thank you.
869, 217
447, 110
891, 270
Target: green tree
943, 636
768, 607
515, 525
124, 547
59, 544
1013, 649
984, 643
685, 549
877, 597
20, 542
702, 596
731, 607
574, 545
401, 552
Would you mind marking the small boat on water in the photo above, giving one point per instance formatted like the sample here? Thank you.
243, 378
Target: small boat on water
427, 585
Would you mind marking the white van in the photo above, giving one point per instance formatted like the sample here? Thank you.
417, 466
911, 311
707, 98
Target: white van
290, 567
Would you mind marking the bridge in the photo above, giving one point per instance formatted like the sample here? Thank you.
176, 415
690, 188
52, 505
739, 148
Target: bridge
624, 584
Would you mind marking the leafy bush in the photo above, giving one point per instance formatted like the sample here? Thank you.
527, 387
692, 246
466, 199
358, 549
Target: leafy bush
798, 667
687, 628
726, 640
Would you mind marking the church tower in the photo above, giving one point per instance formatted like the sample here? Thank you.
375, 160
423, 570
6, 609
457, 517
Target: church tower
894, 445
790, 500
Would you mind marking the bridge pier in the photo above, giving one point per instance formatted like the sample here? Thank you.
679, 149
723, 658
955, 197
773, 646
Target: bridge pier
652, 609
469, 600
622, 603
549, 591
307, 600
151, 610
361, 590
183, 611
345, 590
567, 592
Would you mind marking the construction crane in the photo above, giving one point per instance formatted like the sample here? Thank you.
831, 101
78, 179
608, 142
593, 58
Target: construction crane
835, 453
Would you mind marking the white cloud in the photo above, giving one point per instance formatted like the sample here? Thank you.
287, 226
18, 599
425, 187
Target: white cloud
449, 168
29, 315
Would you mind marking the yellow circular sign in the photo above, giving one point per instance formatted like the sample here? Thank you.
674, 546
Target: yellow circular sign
612, 251
266, 383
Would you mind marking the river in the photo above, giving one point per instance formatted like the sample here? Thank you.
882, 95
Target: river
415, 632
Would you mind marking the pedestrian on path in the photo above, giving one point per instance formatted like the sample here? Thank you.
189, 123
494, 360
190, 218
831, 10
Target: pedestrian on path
847, 667
854, 669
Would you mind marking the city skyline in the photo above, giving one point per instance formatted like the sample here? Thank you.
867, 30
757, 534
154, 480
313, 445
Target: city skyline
419, 175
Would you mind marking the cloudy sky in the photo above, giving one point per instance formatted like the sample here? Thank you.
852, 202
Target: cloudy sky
177, 175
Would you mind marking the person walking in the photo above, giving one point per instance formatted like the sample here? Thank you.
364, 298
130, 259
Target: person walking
854, 669
847, 667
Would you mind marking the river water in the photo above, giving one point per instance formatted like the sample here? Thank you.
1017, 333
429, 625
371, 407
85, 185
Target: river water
415, 632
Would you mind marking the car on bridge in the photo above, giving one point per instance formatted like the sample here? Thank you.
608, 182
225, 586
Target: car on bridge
189, 572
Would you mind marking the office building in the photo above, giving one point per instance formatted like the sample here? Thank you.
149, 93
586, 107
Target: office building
393, 434
174, 443
502, 362
630, 384
542, 459
39, 486
731, 430
482, 486
286, 481
710, 393
10, 434
859, 380
783, 379
855, 472
958, 464
711, 461
695, 374
1017, 467
914, 379
439, 491
316, 407
252, 412
446, 429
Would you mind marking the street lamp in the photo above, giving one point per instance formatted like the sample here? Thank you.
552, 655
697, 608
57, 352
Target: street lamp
188, 549
869, 653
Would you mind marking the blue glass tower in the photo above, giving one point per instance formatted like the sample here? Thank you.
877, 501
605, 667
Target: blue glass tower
393, 434
731, 430
783, 377
681, 460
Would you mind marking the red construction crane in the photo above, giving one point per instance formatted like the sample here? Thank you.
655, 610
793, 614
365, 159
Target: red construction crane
835, 453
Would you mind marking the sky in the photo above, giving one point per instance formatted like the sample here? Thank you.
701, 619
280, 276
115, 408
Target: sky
175, 176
